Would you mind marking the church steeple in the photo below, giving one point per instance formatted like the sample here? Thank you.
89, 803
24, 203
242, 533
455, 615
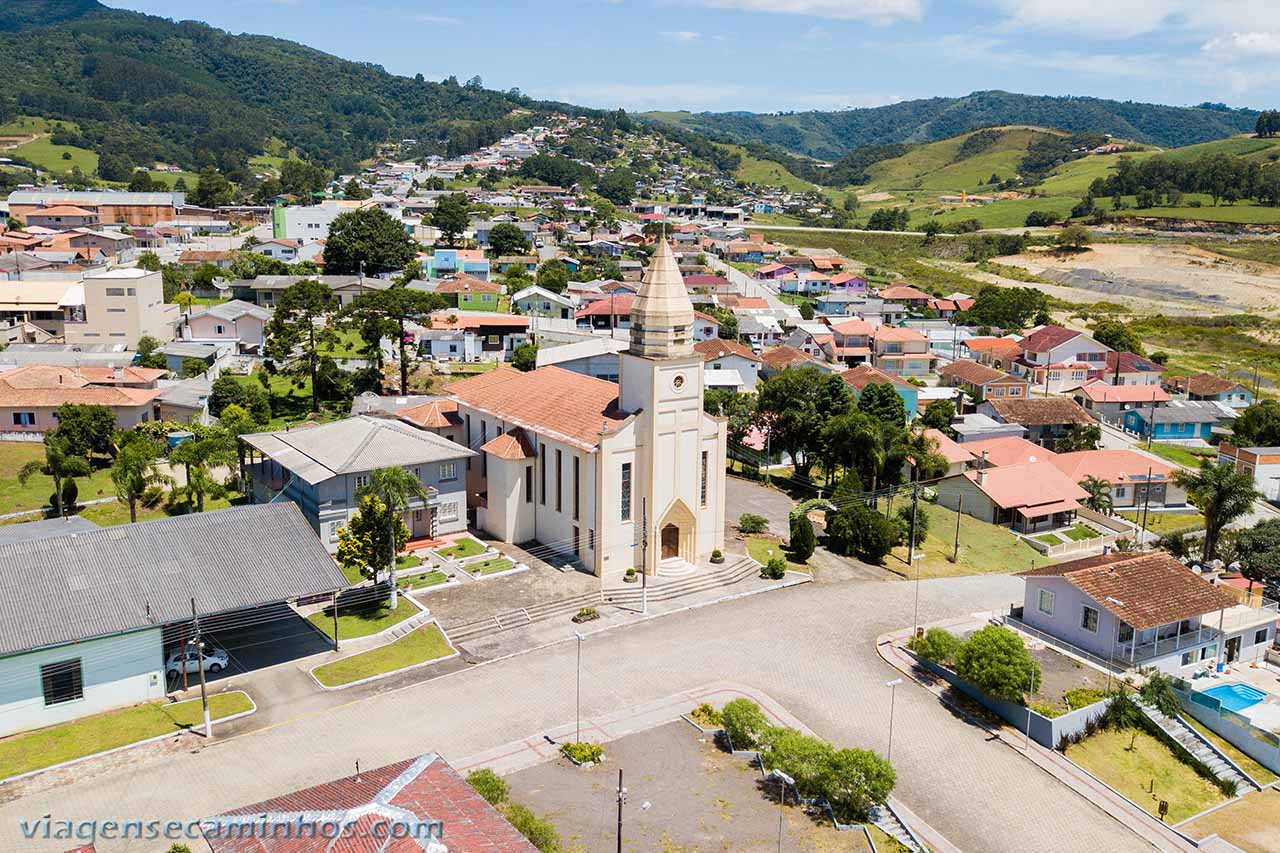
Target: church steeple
662, 314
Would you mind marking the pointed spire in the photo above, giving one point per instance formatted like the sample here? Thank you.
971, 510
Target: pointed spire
662, 314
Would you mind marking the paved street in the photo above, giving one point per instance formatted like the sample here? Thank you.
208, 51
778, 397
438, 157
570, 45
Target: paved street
811, 648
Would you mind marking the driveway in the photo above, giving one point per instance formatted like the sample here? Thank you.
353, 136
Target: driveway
743, 496
812, 649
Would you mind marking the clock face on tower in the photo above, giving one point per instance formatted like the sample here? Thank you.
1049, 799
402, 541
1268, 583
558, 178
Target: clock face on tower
678, 382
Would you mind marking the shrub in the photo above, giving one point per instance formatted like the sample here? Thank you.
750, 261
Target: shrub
859, 530
489, 785
586, 614
1044, 709
752, 523
775, 569
904, 525
996, 661
1122, 713
938, 645
706, 716
1082, 697
853, 781
744, 722
540, 832
800, 756
583, 753
717, 556
1158, 693
802, 539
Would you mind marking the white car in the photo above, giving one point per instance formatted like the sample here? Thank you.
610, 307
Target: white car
215, 660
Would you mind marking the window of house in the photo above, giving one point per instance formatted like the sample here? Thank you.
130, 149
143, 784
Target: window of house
591, 539
542, 477
217, 330
1260, 636
1125, 634
132, 291
362, 480
1188, 658
1089, 619
448, 471
333, 529
62, 681
626, 491
24, 418
1209, 651
115, 291
702, 488
559, 477
577, 546
1045, 604
528, 484
448, 511
577, 484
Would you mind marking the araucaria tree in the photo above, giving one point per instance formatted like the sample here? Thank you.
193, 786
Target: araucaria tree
1222, 494
299, 334
368, 240
393, 308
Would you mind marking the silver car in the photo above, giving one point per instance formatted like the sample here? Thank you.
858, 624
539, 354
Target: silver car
215, 660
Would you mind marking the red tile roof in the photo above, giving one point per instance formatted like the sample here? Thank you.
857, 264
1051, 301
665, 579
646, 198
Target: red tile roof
904, 292
897, 334
713, 281
1100, 392
949, 449
1040, 412
434, 415
1010, 450
467, 284
752, 302
1048, 337
1145, 590
1208, 385
1132, 363
564, 405
62, 210
864, 374
475, 321
368, 806
715, 348
852, 327
1114, 466
971, 372
619, 306
1034, 485
782, 356
512, 444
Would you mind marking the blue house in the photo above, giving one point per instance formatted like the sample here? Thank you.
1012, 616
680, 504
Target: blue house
1180, 420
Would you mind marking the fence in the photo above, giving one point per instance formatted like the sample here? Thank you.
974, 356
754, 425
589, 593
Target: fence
1260, 745
1046, 731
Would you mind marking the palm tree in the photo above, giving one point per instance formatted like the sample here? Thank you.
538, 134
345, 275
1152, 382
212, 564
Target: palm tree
60, 463
1099, 490
926, 462
198, 456
1080, 437
397, 489
134, 472
1222, 494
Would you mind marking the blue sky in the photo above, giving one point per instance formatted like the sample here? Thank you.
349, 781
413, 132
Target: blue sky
771, 55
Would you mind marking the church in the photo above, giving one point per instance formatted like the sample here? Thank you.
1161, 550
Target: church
611, 476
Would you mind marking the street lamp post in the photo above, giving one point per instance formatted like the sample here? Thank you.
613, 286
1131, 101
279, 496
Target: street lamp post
578, 691
783, 781
893, 693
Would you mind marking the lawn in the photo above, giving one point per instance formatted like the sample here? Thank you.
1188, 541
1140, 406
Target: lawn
1106, 755
1179, 455
1259, 773
422, 581
289, 405
984, 548
100, 732
425, 644
408, 561
1161, 523
117, 512
16, 497
1251, 823
350, 345
363, 619
491, 566
48, 156
462, 547
1080, 532
765, 548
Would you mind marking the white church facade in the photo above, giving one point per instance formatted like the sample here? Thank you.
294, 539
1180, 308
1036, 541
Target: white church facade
611, 476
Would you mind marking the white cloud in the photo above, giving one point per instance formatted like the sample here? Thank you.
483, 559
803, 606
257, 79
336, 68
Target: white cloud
877, 11
1243, 47
1102, 19
996, 52
683, 36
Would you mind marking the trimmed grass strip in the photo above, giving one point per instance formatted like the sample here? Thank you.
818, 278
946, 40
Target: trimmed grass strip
462, 548
425, 644
361, 620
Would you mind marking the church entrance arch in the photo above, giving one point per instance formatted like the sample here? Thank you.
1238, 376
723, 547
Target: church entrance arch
677, 533
670, 541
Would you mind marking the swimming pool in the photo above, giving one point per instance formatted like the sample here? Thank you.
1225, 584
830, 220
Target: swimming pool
1236, 697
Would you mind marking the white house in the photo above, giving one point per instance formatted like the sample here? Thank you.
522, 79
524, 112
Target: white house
289, 251
535, 301
237, 321
720, 355
1055, 359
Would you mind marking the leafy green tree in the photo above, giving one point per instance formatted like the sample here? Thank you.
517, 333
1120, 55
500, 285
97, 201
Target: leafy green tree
199, 456
149, 355
61, 463
1099, 490
1010, 308
237, 420
506, 238
617, 185
938, 415
995, 660
258, 404
903, 518
298, 333
1221, 493
1258, 425
225, 392
303, 179
803, 540
1074, 237
394, 308
397, 489
744, 722
194, 367
740, 409
1117, 335
881, 401
1258, 550
372, 538
553, 275
794, 405
853, 781
923, 456
1080, 437
368, 240
938, 645
858, 530
213, 189
451, 216
86, 428
525, 357
355, 191
802, 757
134, 472
150, 262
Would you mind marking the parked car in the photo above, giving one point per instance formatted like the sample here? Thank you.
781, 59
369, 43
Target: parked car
215, 660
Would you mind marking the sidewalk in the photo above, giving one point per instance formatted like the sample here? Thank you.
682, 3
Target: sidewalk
1160, 835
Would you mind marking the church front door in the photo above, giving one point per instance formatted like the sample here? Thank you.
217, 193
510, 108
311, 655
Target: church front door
670, 541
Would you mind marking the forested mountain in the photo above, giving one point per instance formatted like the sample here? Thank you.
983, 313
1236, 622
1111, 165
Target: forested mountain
831, 135
148, 88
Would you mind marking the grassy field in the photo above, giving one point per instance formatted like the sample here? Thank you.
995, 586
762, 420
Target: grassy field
422, 581
101, 732
16, 497
984, 548
1166, 522
765, 548
1179, 455
1261, 251
1002, 214
756, 171
361, 620
425, 644
117, 512
290, 405
349, 345
938, 165
171, 178
1107, 756
463, 546
48, 156
1252, 823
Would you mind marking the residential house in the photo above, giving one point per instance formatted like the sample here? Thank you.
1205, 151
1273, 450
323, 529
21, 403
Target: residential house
743, 252
1028, 498
846, 282
1126, 368
266, 289
305, 223
1136, 480
143, 209
762, 331
61, 217
122, 305
1206, 386
290, 251
769, 272
591, 355
524, 263
468, 293
536, 301
1261, 462
850, 341
1055, 359
1108, 402
447, 262
905, 294
975, 427
999, 353
138, 583
178, 353
1046, 420
323, 468
1000, 451
714, 284
613, 312
477, 337
958, 456
1179, 421
858, 378
839, 303
810, 338
237, 321
199, 257
948, 308
777, 359
185, 401
1143, 611
705, 327
901, 352
721, 355
981, 382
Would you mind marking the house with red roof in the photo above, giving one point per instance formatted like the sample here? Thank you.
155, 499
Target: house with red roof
612, 312
1055, 359
847, 282
769, 272
1135, 480
1109, 402
30, 395
858, 378
1127, 368
1213, 389
1029, 498
850, 340
901, 351
905, 294
981, 382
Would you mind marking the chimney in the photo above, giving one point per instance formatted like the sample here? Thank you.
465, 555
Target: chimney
982, 476
119, 374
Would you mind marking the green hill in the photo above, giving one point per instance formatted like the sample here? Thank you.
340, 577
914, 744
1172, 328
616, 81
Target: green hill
964, 162
830, 135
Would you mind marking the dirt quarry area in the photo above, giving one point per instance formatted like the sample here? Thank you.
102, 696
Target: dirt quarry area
1160, 276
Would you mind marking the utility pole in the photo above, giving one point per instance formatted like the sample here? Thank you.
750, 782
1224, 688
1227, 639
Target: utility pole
335, 620
198, 642
577, 738
622, 798
768, 451
955, 555
1146, 508
911, 555
1151, 427
644, 556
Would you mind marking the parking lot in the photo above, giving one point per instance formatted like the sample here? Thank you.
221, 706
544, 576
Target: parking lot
257, 638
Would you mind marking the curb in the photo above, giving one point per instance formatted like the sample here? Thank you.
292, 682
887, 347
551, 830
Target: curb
253, 708
312, 672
